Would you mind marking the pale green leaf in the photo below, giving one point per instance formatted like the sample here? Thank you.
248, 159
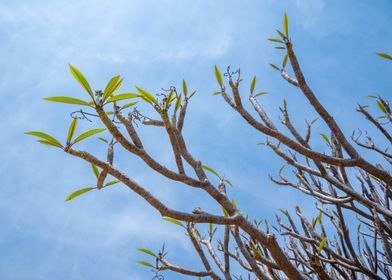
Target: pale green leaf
381, 106
322, 244
174, 221
261, 93
128, 105
234, 203
275, 67
286, 25
225, 213
253, 85
111, 183
78, 193
285, 59
178, 102
205, 167
384, 55
148, 96
325, 137
95, 170
46, 142
169, 99
66, 99
218, 76
146, 251
281, 34
145, 263
227, 181
184, 88
275, 40
112, 86
81, 79
103, 140
320, 218
284, 212
45, 136
122, 96
71, 130
314, 221
88, 134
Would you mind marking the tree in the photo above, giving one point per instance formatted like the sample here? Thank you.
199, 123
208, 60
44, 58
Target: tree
344, 183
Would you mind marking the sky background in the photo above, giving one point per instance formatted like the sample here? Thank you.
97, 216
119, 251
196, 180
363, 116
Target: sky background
156, 44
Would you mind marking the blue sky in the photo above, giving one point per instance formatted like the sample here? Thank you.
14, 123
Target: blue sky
156, 44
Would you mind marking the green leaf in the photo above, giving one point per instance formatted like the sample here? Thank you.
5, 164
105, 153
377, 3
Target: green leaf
275, 40
281, 34
148, 96
320, 218
322, 244
169, 99
45, 136
46, 142
285, 59
205, 167
275, 67
128, 105
112, 86
234, 204
88, 134
227, 181
280, 48
122, 96
384, 55
253, 85
261, 93
66, 99
78, 193
71, 130
192, 94
184, 88
111, 183
325, 138
314, 221
225, 213
145, 263
103, 140
286, 25
178, 102
313, 122
375, 178
95, 170
371, 96
81, 79
148, 252
217, 93
283, 212
211, 227
381, 106
174, 221
218, 76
